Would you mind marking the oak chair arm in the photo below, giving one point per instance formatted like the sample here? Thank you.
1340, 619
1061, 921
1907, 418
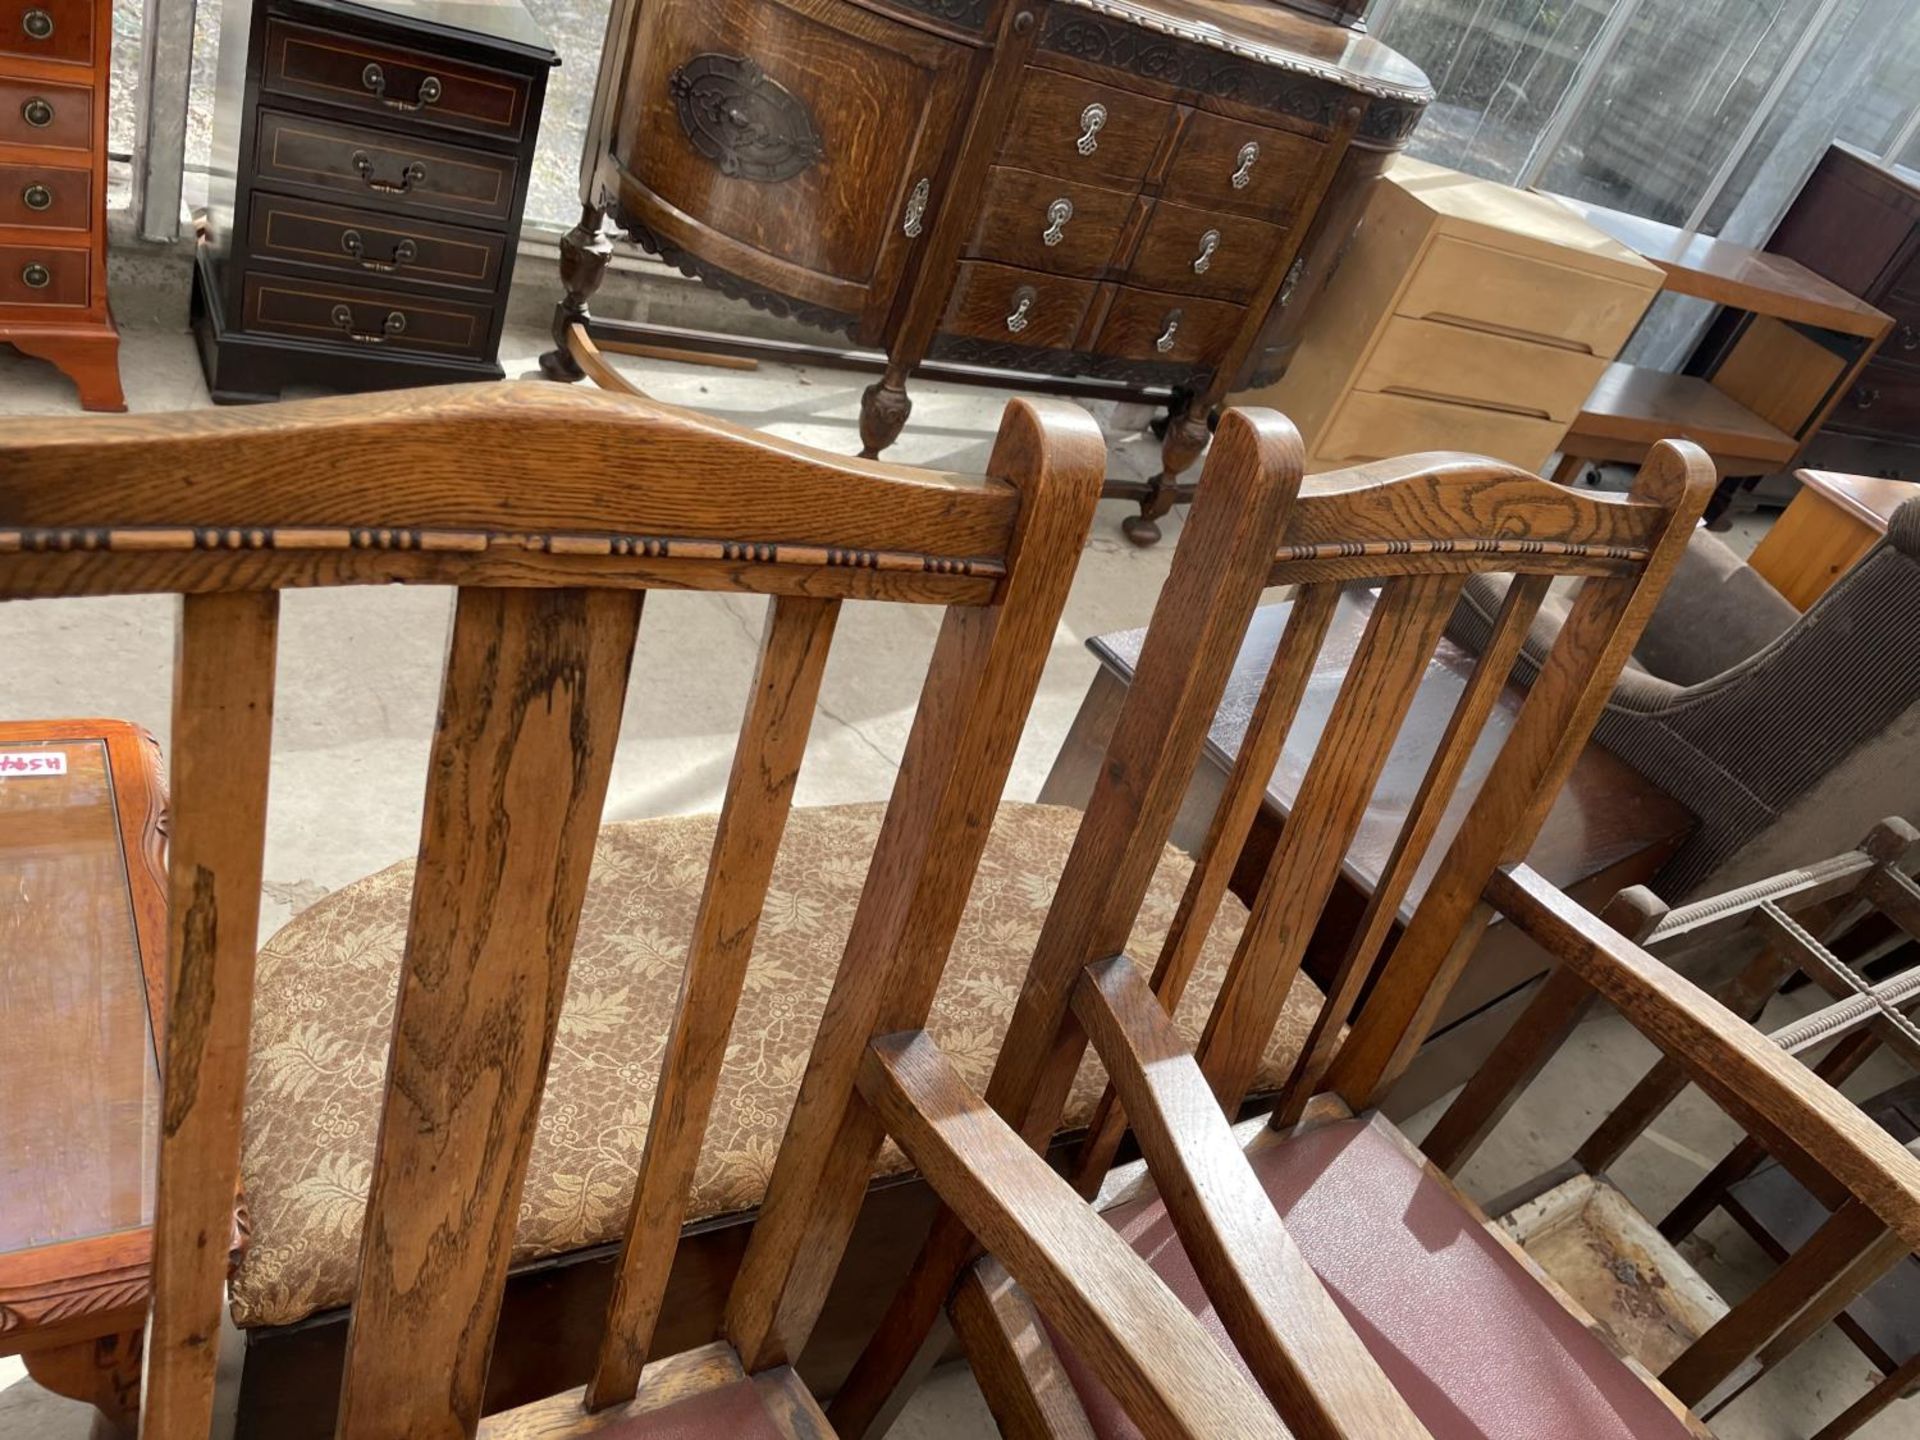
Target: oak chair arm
1777, 1098
1281, 1318
1172, 1378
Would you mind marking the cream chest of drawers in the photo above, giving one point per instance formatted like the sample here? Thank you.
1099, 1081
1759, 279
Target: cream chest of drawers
1466, 315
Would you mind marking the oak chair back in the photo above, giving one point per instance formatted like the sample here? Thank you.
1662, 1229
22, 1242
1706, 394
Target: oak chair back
553, 512
1416, 528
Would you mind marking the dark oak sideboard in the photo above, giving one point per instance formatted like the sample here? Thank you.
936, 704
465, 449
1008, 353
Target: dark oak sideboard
1106, 197
371, 160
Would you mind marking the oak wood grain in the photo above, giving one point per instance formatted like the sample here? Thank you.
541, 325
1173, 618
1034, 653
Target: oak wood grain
529, 712
1018, 1371
222, 731
753, 816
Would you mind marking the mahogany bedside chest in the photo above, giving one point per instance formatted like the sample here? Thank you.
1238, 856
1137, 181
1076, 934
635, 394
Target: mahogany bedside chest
54, 69
371, 160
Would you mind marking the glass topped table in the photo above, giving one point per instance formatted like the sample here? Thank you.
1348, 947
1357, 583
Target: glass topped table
82, 966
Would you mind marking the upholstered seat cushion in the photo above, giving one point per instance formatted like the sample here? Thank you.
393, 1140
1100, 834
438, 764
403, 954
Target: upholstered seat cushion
1477, 1346
324, 1006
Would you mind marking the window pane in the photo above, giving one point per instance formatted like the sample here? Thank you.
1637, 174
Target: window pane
1499, 67
575, 29
1688, 76
1856, 85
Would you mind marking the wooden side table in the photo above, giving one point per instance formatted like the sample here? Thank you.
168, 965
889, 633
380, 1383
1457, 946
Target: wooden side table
1799, 344
82, 970
1834, 520
1609, 828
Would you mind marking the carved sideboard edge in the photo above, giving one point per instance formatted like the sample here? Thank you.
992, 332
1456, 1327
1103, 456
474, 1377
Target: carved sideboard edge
772, 302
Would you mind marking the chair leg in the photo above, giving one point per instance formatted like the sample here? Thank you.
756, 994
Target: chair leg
1846, 1255
1901, 1383
1016, 1365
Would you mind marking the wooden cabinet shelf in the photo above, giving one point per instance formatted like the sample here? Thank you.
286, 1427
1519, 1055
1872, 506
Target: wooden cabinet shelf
1632, 401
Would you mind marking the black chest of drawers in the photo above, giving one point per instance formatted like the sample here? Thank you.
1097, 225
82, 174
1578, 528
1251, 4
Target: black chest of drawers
370, 166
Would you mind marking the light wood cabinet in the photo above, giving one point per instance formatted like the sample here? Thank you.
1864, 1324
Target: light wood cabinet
1465, 316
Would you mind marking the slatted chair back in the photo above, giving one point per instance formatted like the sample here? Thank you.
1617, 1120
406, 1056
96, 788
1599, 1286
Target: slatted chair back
1416, 528
553, 512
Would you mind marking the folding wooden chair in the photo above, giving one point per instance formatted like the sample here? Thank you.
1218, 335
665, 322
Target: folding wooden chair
553, 512
1328, 1225
1859, 1211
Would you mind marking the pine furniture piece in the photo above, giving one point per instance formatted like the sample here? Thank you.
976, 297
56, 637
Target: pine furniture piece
1832, 521
1856, 222
1607, 829
1865, 1183
1797, 345
1133, 199
55, 67
1452, 1330
82, 967
1466, 315
484, 488
371, 161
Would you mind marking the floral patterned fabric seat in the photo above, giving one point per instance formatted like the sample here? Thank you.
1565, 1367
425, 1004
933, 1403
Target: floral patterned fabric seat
323, 1010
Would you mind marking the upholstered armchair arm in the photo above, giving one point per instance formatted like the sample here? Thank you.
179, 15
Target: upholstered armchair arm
1132, 1332
1778, 1100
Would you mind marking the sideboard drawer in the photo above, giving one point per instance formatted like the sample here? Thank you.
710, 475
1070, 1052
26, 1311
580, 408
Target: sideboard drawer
1885, 401
1173, 329
1047, 223
49, 197
1479, 285
48, 29
1203, 252
1078, 130
405, 84
1373, 427
388, 172
1228, 164
45, 275
1016, 307
377, 319
37, 112
307, 232
1478, 367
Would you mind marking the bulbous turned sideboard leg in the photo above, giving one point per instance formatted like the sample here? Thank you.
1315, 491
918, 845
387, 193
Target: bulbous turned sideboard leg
584, 253
884, 407
1187, 435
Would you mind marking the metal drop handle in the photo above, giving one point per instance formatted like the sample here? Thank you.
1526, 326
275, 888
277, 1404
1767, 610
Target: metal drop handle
352, 242
916, 207
1058, 214
1023, 300
1165, 342
38, 24
409, 177
375, 79
1909, 338
1091, 120
394, 324
37, 197
37, 112
1865, 396
36, 276
1243, 169
1209, 243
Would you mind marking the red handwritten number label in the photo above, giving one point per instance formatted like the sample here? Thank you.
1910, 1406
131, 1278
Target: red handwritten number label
31, 764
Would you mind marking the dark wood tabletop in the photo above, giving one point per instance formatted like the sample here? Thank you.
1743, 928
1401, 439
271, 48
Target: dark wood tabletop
1607, 813
82, 969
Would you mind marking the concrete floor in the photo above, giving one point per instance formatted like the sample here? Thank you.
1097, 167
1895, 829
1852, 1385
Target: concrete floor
359, 672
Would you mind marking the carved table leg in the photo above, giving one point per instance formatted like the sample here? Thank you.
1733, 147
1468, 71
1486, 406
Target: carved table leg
1186, 437
584, 253
884, 407
103, 1373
